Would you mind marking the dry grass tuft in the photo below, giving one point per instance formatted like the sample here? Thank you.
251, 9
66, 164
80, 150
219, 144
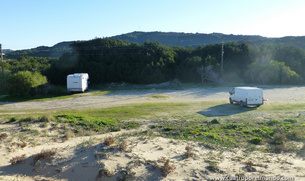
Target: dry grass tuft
109, 141
45, 154
17, 159
189, 152
22, 145
55, 139
3, 136
123, 145
279, 148
64, 139
249, 163
303, 148
279, 139
69, 134
48, 118
167, 168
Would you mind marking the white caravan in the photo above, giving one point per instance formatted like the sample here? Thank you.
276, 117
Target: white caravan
247, 96
77, 82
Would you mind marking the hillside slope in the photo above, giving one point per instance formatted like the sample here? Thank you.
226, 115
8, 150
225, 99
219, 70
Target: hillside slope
166, 38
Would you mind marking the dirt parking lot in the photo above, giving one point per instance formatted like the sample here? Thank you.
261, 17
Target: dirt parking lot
275, 95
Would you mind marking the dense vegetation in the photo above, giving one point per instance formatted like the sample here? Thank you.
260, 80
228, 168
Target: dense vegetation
109, 60
22, 76
25, 83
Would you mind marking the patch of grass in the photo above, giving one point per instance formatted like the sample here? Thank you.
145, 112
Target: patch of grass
96, 124
97, 93
61, 93
138, 111
213, 167
283, 107
131, 125
35, 98
159, 96
232, 132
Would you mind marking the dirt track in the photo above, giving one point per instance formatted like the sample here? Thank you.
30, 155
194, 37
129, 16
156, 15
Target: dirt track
275, 95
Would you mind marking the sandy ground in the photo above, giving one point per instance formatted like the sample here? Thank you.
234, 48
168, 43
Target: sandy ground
144, 158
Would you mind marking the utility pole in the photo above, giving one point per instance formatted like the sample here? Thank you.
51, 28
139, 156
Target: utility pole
2, 59
222, 52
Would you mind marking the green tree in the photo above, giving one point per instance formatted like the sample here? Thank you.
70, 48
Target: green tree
187, 70
272, 73
25, 83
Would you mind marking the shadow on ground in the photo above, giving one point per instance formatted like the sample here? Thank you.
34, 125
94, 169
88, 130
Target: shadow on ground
225, 110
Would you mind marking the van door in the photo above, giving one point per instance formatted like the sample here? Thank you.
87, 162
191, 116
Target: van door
254, 97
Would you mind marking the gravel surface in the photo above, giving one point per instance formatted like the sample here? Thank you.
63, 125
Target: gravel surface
275, 95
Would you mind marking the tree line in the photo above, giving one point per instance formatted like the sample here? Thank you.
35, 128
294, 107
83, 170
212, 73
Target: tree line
110, 60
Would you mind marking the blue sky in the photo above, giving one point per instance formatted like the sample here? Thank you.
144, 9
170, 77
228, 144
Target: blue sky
31, 23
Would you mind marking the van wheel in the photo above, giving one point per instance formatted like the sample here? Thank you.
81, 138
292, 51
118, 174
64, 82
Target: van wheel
241, 103
231, 102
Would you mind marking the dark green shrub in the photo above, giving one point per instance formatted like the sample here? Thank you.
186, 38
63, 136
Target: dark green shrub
13, 119
231, 126
273, 122
168, 128
25, 83
256, 140
212, 136
215, 121
291, 120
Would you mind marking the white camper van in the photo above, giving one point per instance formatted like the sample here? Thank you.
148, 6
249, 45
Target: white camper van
77, 82
247, 96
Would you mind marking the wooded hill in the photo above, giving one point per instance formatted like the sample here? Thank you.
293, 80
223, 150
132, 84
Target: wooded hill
109, 60
42, 51
168, 39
